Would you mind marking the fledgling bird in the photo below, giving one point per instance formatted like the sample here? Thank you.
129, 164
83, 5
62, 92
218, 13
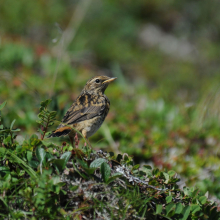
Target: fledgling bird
89, 110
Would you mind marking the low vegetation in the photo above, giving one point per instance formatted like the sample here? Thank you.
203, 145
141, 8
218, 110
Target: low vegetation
164, 113
42, 180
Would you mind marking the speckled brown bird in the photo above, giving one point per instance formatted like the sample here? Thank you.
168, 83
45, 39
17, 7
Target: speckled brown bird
88, 111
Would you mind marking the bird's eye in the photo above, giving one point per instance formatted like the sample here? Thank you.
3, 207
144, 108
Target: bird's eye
97, 81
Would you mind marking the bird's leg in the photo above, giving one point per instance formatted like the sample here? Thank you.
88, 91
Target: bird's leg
88, 143
76, 139
84, 133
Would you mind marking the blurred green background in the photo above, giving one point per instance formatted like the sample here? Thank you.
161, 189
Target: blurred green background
165, 103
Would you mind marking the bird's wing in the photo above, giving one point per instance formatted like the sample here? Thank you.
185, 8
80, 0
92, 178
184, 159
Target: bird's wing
87, 106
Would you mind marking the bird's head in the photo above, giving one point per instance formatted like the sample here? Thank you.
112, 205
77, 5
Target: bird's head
98, 84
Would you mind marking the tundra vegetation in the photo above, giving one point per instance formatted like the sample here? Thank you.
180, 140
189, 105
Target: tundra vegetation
157, 156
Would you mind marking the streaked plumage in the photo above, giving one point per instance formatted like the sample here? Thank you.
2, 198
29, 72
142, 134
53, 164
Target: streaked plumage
89, 110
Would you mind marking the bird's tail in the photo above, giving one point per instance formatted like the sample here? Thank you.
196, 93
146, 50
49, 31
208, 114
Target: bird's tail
62, 131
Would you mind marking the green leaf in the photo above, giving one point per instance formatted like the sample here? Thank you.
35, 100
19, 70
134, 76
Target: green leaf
185, 212
18, 148
159, 209
113, 177
50, 124
2, 151
49, 156
59, 163
82, 163
179, 208
97, 163
4, 170
5, 131
7, 177
125, 157
21, 163
35, 141
148, 167
171, 173
214, 214
41, 156
7, 140
169, 208
136, 167
144, 203
66, 156
186, 190
34, 136
119, 157
156, 172
80, 173
39, 121
194, 192
73, 188
116, 174
16, 130
89, 170
29, 155
195, 208
3, 105
148, 170
40, 131
45, 103
56, 179
202, 200
105, 171
12, 124
34, 164
168, 199
111, 154
167, 177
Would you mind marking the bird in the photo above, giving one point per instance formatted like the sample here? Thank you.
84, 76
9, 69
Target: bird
88, 111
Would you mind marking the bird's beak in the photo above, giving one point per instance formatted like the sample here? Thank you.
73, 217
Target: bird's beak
109, 80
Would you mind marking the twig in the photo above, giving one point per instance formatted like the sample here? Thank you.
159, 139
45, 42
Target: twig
126, 173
